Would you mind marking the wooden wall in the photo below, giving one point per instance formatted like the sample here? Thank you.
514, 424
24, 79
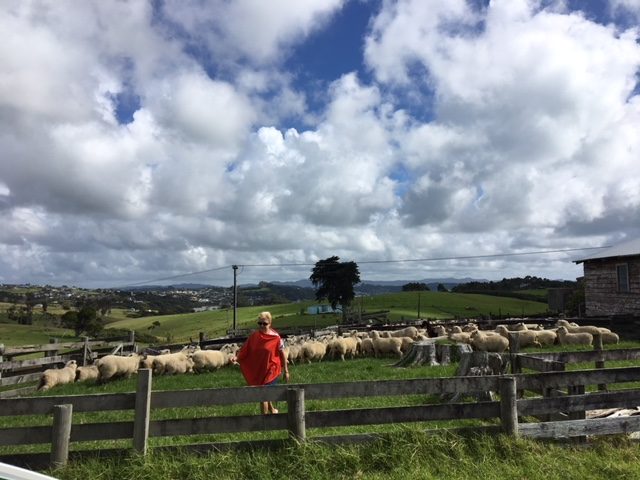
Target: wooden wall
601, 287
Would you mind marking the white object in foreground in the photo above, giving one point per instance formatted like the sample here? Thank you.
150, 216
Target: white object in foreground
11, 472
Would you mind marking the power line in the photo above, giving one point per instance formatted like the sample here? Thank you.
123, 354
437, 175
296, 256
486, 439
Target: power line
178, 276
365, 262
432, 259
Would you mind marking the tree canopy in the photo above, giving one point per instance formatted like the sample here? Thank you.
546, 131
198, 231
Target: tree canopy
334, 280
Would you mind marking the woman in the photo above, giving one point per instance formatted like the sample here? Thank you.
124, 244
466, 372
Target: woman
262, 358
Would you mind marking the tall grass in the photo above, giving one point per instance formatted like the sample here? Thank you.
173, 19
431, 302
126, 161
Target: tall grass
403, 455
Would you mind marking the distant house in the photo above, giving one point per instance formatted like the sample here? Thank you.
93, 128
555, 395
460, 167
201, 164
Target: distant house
612, 280
318, 309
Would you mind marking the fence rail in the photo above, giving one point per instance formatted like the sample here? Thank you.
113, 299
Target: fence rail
298, 419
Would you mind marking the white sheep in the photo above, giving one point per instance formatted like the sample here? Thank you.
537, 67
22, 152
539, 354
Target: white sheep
411, 332
460, 337
580, 338
111, 366
546, 337
313, 350
526, 338
366, 347
573, 327
294, 354
88, 372
609, 337
209, 360
383, 346
406, 344
179, 362
488, 343
58, 376
439, 331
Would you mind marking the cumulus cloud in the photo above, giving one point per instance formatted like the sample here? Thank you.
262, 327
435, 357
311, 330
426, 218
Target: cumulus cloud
141, 140
531, 111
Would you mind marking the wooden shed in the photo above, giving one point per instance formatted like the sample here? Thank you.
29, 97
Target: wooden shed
612, 280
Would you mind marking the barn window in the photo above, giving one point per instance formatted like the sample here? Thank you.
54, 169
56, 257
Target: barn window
623, 277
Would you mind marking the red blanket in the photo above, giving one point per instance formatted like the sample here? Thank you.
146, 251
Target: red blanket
259, 358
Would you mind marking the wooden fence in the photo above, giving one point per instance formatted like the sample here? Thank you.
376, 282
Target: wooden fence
504, 415
14, 371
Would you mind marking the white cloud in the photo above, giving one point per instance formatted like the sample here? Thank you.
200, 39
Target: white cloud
480, 131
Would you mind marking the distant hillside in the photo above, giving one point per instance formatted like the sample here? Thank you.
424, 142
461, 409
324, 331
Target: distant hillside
518, 287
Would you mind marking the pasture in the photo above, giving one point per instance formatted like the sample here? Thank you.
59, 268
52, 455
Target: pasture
405, 305
402, 451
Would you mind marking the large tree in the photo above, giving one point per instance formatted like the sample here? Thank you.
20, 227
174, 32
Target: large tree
334, 280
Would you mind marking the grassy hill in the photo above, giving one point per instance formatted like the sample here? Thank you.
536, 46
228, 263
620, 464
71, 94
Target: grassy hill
403, 305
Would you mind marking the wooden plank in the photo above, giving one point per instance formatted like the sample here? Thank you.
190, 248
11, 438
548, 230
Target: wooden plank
101, 431
538, 381
25, 435
423, 413
576, 403
318, 391
578, 428
16, 379
51, 347
210, 425
18, 364
81, 403
17, 392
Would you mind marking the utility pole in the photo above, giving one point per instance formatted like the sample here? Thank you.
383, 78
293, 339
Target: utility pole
418, 304
235, 297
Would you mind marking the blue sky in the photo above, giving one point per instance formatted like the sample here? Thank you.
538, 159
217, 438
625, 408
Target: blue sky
149, 139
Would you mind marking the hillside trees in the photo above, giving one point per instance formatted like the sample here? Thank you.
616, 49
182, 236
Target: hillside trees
415, 287
334, 280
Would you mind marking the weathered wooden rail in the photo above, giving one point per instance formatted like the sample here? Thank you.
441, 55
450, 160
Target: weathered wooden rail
504, 415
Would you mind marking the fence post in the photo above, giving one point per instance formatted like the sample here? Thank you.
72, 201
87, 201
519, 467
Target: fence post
85, 351
52, 353
132, 341
598, 347
296, 414
1, 357
61, 434
508, 405
142, 411
514, 349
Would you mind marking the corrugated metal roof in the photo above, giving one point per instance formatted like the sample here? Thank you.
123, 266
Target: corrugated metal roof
625, 249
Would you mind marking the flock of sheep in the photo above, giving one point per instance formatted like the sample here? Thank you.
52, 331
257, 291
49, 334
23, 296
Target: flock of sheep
327, 346
497, 340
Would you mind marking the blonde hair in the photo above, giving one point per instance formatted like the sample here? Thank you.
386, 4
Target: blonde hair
265, 316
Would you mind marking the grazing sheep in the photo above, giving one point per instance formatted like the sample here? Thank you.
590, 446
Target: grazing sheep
411, 332
313, 351
566, 338
209, 360
460, 337
609, 337
384, 346
527, 338
406, 344
179, 362
439, 331
111, 366
89, 372
488, 343
58, 376
470, 327
294, 354
546, 337
366, 347
573, 327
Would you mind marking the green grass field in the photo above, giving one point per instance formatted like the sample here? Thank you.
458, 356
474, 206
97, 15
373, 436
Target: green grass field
405, 305
402, 453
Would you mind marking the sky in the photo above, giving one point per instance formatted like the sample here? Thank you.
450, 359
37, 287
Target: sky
151, 141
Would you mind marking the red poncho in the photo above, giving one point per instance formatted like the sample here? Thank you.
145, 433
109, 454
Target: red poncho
259, 358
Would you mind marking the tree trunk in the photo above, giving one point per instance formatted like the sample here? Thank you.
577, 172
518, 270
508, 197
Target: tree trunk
478, 364
428, 352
